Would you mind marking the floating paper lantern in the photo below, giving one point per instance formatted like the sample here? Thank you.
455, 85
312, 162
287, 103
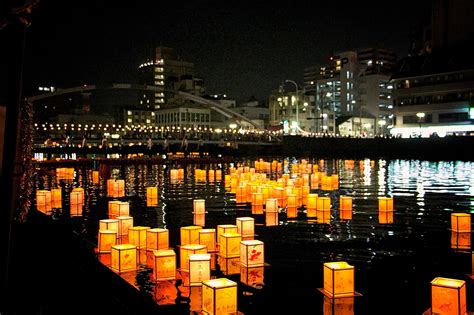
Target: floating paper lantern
229, 245
43, 200
218, 175
157, 239
246, 227
448, 296
461, 222
186, 250
324, 203
339, 306
225, 228
106, 240
212, 176
312, 205
291, 208
95, 177
56, 198
271, 218
115, 188
314, 181
199, 206
152, 196
257, 203
189, 234
76, 201
208, 237
386, 217
124, 258
345, 203
338, 279
252, 276
461, 240
271, 205
385, 203
125, 223
137, 236
280, 195
345, 214
199, 268
118, 209
164, 265
109, 224
305, 190
219, 296
251, 253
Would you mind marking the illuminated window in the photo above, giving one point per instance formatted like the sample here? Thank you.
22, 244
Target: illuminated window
129, 120
129, 112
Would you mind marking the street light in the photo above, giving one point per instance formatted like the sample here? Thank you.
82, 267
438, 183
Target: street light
297, 109
420, 117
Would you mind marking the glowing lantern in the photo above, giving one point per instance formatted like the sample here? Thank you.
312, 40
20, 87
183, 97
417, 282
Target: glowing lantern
461, 222
257, 203
225, 228
271, 205
219, 296
324, 203
56, 200
385, 203
291, 208
152, 196
43, 200
137, 236
386, 217
106, 239
461, 240
245, 227
335, 180
199, 206
118, 209
229, 266
157, 239
115, 188
208, 237
218, 175
164, 265
304, 194
125, 223
186, 250
338, 279
199, 268
124, 258
448, 296
189, 234
229, 245
280, 196
110, 224
339, 306
166, 293
271, 218
212, 176
323, 216
241, 194
251, 253
252, 276
76, 202
312, 205
95, 177
199, 219
314, 180
345, 207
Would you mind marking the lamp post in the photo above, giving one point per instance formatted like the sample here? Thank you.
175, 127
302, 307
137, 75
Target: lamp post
420, 117
297, 100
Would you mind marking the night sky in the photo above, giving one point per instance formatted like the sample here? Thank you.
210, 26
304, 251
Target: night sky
240, 48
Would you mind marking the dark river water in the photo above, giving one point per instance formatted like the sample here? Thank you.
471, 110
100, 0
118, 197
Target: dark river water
394, 263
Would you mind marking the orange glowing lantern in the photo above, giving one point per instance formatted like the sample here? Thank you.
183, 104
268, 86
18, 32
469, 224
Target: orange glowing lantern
241, 194
461, 240
199, 219
157, 239
292, 208
219, 296
339, 306
305, 190
186, 250
115, 188
124, 258
448, 296
208, 237
246, 227
76, 202
225, 228
314, 180
229, 245
338, 279
312, 205
218, 175
199, 269
199, 206
461, 222
386, 217
257, 203
106, 240
118, 209
110, 224
152, 196
323, 216
56, 200
385, 203
137, 236
190, 234
95, 177
251, 253
324, 203
43, 200
125, 223
271, 205
271, 218
166, 293
212, 176
164, 265
229, 266
252, 276
345, 203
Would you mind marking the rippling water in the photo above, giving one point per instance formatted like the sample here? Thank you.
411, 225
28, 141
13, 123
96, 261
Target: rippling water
394, 263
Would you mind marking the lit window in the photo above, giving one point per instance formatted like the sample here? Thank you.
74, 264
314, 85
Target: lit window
148, 121
129, 112
129, 120
369, 63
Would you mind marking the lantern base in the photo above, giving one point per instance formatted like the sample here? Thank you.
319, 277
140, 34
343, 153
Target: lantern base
329, 295
428, 312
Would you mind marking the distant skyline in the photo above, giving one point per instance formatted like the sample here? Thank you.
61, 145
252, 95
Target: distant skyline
242, 49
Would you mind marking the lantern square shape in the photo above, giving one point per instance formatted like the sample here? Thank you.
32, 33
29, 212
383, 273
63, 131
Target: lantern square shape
199, 219
199, 269
152, 196
164, 265
252, 276
338, 279
271, 218
257, 198
345, 214
115, 188
323, 216
190, 234
252, 253
208, 237
187, 250
75, 209
79, 191
257, 209
124, 258
339, 306
56, 198
324, 203
109, 224
106, 239
385, 203
461, 240
246, 226
229, 245
137, 236
291, 212
271, 205
448, 296
125, 223
157, 239
461, 222
199, 206
95, 177
386, 217
345, 203
225, 228
43, 200
219, 296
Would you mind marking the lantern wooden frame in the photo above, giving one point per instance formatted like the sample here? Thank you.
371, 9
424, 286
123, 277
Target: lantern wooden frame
105, 240
208, 237
157, 239
125, 223
109, 224
189, 234
219, 296
448, 296
186, 250
199, 269
252, 253
137, 236
164, 264
225, 228
43, 200
338, 279
461, 222
152, 196
385, 203
123, 258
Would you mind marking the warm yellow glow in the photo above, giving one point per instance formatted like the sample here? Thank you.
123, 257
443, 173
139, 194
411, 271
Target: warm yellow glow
386, 217
152, 196
199, 206
219, 296
345, 203
124, 258
252, 253
292, 208
338, 279
271, 218
312, 205
245, 227
125, 223
271, 205
164, 264
199, 268
56, 198
229, 245
461, 222
137, 236
324, 203
190, 234
157, 239
385, 203
115, 188
448, 296
208, 237
110, 224
225, 228
95, 177
199, 219
43, 200
252, 276
186, 250
106, 240
339, 306
461, 240
118, 209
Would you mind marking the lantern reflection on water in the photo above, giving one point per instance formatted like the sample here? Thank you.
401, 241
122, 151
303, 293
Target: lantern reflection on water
385, 217
166, 293
448, 296
219, 296
252, 276
291, 208
338, 306
338, 279
460, 240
